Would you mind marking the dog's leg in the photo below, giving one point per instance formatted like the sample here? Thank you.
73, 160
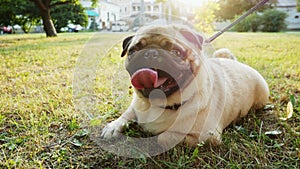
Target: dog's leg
181, 129
114, 128
170, 138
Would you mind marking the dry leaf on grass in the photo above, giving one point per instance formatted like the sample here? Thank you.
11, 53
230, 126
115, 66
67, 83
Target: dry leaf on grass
289, 111
275, 132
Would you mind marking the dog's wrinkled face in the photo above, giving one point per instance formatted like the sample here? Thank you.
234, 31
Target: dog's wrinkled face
162, 57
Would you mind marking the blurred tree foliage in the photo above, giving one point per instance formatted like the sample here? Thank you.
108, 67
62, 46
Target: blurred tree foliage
18, 12
75, 14
250, 23
271, 20
231, 8
205, 16
53, 13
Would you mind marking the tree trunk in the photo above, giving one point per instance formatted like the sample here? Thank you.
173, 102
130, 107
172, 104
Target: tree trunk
48, 24
44, 6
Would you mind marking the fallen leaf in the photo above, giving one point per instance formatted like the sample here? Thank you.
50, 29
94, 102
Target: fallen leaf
275, 132
82, 133
269, 107
289, 111
76, 142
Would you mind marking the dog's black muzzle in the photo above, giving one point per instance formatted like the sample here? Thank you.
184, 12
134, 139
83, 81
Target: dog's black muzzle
175, 71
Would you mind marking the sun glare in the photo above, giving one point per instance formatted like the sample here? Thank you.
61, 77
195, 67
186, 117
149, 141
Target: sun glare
192, 3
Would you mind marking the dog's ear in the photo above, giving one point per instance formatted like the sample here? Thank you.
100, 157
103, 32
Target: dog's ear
126, 43
192, 37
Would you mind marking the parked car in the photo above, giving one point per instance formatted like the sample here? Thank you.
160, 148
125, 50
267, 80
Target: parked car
6, 29
74, 28
119, 26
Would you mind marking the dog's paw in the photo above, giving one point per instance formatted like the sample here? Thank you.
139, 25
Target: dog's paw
112, 129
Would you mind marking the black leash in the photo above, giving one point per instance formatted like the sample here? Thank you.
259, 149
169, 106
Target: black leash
260, 4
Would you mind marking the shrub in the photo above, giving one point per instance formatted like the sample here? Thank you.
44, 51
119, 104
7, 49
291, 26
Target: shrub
273, 20
243, 26
252, 23
255, 21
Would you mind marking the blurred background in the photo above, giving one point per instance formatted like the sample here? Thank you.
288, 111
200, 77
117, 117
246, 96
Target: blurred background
56, 16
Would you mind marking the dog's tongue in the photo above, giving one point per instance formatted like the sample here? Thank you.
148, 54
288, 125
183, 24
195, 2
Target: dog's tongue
146, 78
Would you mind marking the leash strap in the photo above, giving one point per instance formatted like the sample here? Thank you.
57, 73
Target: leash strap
260, 4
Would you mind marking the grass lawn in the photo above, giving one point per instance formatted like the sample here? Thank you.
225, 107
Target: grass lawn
41, 128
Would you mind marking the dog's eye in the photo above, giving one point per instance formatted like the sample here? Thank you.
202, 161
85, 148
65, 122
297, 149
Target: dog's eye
175, 52
178, 53
132, 51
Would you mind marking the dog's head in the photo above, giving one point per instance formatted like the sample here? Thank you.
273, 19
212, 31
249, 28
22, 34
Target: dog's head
162, 57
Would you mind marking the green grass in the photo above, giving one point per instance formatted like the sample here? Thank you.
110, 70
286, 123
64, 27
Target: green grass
40, 127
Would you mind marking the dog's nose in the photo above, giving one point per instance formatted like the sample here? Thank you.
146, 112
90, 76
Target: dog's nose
151, 54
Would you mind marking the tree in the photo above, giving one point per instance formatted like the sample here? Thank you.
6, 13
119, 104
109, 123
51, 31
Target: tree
231, 8
6, 12
205, 16
18, 12
252, 22
44, 7
45, 11
26, 22
273, 20
26, 14
75, 15
298, 5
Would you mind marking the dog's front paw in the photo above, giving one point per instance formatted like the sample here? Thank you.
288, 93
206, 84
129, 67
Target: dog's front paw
113, 129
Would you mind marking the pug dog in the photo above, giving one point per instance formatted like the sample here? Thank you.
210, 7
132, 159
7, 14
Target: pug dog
180, 94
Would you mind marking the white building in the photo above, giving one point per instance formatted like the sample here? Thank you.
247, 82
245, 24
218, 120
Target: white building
150, 7
134, 12
125, 7
139, 12
290, 7
92, 13
109, 12
104, 13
